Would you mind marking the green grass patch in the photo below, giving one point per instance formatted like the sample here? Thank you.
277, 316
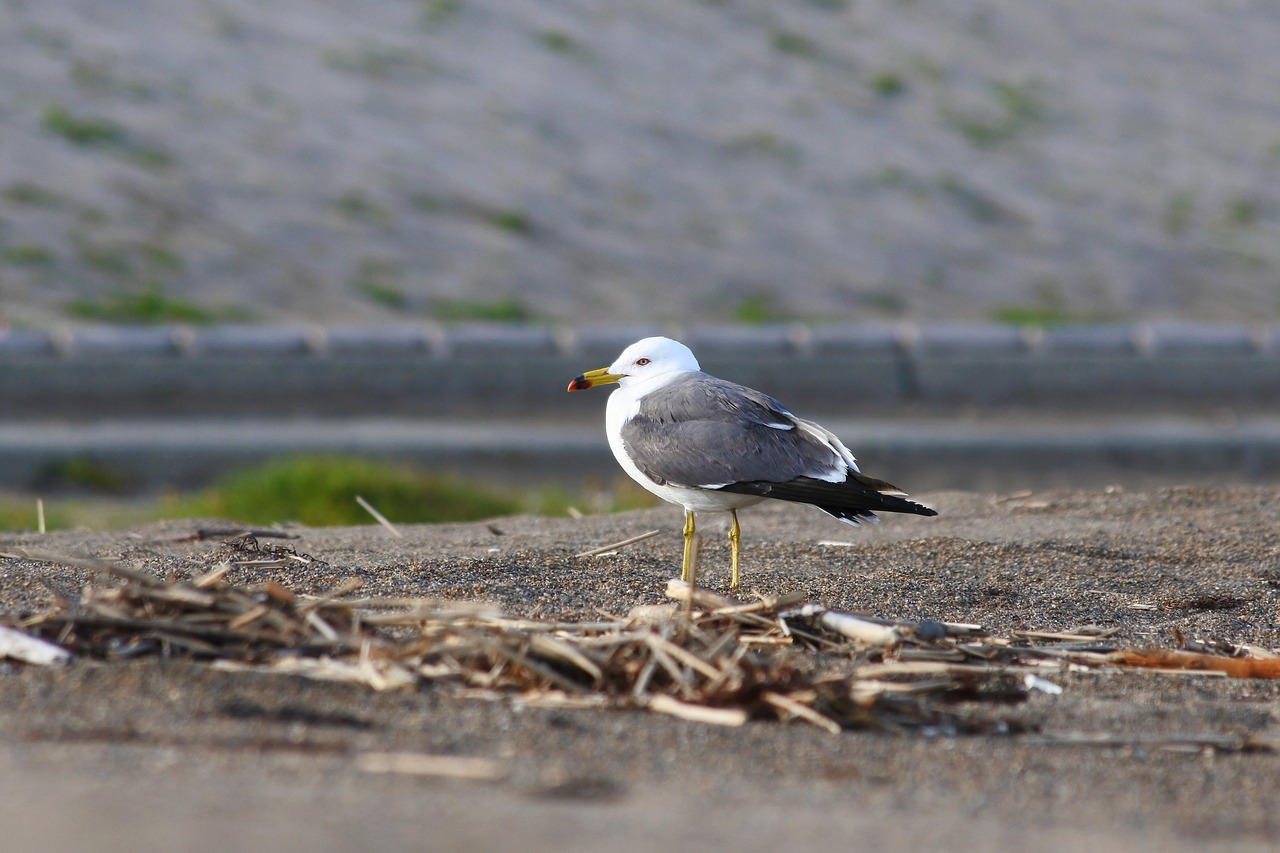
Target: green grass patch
981, 206
113, 260
83, 130
147, 307
510, 220
562, 43
382, 62
763, 142
1178, 212
425, 202
27, 255
354, 205
757, 309
1242, 212
885, 302
436, 12
18, 512
321, 490
81, 473
1046, 307
127, 260
505, 310
25, 192
380, 293
794, 44
1033, 315
379, 281
888, 84
149, 156
99, 78
161, 258
1017, 107
99, 132
315, 490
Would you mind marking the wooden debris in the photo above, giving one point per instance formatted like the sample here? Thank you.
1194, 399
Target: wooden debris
701, 597
664, 704
607, 549
1168, 659
704, 658
212, 577
28, 649
861, 630
421, 764
800, 710
1173, 743
1075, 636
379, 517
204, 533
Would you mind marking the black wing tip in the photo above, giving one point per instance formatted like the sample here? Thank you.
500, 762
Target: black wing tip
849, 500
894, 503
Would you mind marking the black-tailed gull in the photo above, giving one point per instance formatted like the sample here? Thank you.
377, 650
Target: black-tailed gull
714, 446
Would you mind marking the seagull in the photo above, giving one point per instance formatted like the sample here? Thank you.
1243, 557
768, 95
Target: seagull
710, 445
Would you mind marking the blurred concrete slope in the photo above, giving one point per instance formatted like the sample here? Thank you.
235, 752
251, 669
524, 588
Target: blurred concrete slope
639, 161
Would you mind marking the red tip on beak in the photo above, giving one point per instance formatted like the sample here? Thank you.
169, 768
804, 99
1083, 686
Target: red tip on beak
592, 378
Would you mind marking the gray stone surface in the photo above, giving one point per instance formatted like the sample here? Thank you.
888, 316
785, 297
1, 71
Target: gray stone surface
943, 406
640, 161
502, 369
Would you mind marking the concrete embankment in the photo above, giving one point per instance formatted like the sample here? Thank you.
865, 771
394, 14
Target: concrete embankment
939, 406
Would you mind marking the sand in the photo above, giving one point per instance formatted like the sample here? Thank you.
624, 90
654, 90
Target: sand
176, 755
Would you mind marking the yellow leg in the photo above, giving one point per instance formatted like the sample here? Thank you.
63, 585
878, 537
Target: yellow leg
686, 569
734, 536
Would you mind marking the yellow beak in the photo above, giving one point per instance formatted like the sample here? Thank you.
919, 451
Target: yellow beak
592, 378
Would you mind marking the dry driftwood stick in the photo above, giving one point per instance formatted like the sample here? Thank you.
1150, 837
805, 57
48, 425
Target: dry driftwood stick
379, 517
550, 647
798, 709
683, 655
1222, 743
664, 704
769, 603
604, 549
422, 764
1077, 636
213, 577
860, 630
24, 647
248, 616
204, 533
500, 649
174, 594
1167, 659
680, 591
189, 643
94, 564
678, 676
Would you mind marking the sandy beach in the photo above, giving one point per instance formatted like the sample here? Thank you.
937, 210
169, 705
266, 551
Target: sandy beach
154, 753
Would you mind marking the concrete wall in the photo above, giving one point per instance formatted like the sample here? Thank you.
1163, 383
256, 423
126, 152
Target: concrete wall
513, 371
979, 407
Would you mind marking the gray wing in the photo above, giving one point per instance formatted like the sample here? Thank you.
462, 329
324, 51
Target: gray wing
703, 431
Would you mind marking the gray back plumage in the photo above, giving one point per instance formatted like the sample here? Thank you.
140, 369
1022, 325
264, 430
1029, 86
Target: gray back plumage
702, 431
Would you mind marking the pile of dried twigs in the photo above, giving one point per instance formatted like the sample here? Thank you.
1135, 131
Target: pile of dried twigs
703, 657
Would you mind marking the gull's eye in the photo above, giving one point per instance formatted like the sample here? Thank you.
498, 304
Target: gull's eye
641, 362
